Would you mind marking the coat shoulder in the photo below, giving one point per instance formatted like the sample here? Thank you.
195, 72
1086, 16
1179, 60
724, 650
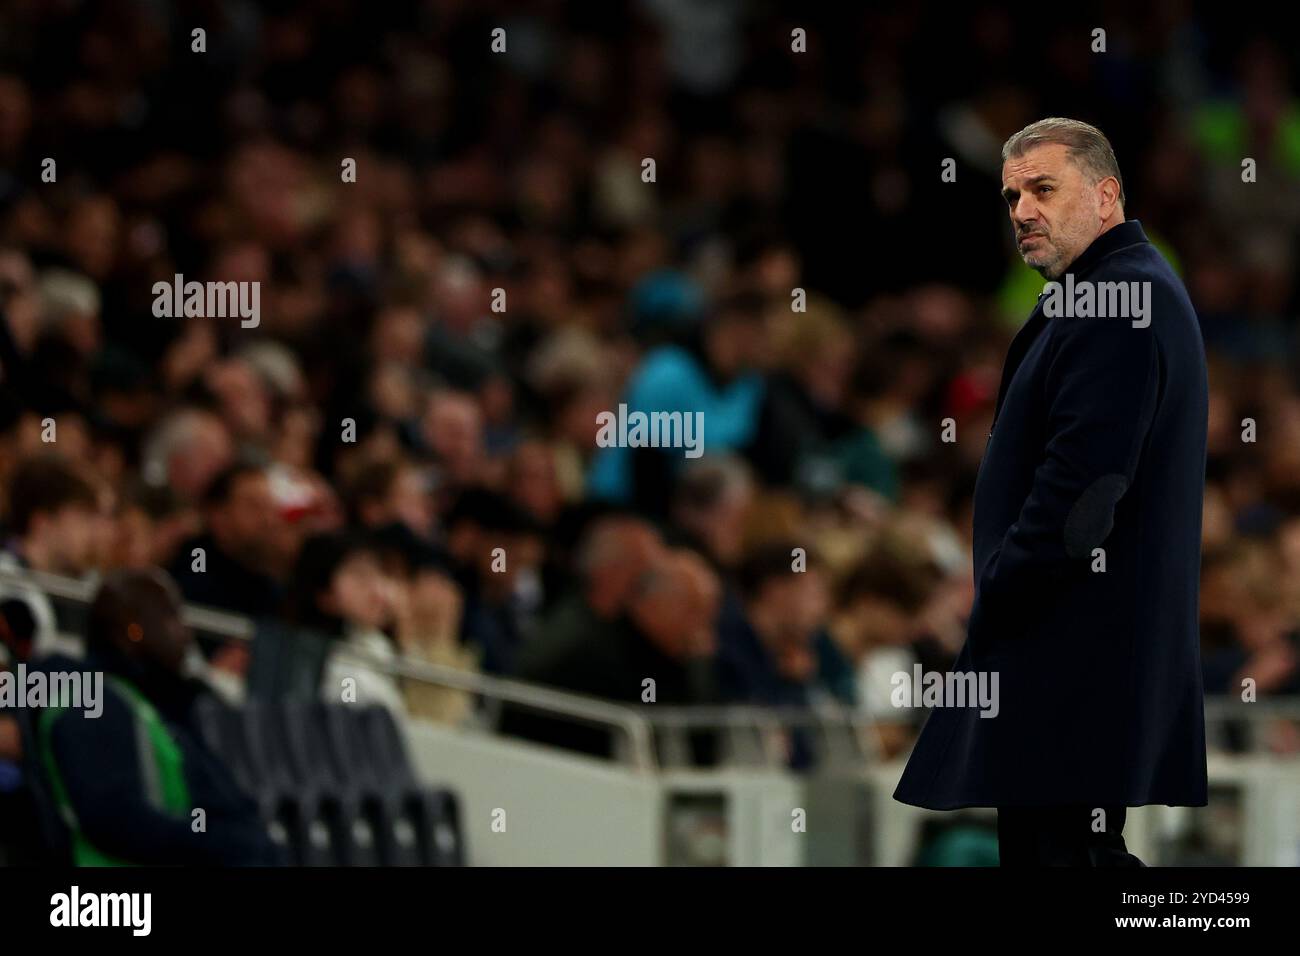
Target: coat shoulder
1142, 263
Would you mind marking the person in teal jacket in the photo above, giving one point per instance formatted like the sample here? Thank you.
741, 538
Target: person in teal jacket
711, 369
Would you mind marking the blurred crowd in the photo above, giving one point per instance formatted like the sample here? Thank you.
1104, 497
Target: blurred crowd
402, 453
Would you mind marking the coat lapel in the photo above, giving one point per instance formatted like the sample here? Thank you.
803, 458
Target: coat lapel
1028, 333
1123, 236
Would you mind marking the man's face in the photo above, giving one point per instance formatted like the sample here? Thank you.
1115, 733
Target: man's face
1055, 211
636, 548
410, 502
677, 613
453, 428
698, 611
736, 343
158, 627
534, 482
361, 593
657, 614
207, 453
70, 535
243, 525
797, 605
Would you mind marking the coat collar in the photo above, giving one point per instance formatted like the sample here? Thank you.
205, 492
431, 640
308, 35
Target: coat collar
1126, 234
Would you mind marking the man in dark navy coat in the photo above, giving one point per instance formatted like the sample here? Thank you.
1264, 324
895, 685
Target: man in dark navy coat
1087, 534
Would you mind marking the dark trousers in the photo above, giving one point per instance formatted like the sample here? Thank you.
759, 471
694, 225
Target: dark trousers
1062, 836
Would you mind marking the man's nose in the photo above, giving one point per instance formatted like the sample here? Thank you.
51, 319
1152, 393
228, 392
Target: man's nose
1024, 212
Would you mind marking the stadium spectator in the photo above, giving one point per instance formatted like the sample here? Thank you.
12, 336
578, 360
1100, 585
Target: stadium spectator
149, 526
712, 372
774, 648
532, 481
340, 590
615, 553
495, 553
805, 407
711, 504
453, 432
877, 619
53, 516
660, 650
129, 779
427, 608
20, 839
186, 451
1249, 639
393, 491
226, 565
52, 507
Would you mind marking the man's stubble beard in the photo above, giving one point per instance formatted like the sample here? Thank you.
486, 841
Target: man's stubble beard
1044, 269
1062, 258
1054, 267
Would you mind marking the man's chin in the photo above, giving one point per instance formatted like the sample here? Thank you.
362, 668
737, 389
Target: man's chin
1044, 269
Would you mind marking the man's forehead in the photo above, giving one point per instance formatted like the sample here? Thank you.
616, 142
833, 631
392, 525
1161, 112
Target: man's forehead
1050, 159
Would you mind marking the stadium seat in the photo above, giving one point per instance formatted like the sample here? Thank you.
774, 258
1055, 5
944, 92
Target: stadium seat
286, 662
301, 738
245, 739
334, 783
430, 815
350, 757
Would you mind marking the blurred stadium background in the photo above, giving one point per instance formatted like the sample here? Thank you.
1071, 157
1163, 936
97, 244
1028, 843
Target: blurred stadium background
514, 678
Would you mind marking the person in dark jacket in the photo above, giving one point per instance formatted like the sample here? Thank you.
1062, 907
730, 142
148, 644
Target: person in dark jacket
774, 647
658, 650
130, 780
493, 548
804, 413
226, 566
1086, 536
612, 558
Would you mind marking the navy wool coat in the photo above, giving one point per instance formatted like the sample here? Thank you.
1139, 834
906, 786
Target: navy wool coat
1098, 442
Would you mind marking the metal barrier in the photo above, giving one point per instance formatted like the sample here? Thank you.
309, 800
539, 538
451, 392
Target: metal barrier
650, 737
1229, 717
840, 738
633, 729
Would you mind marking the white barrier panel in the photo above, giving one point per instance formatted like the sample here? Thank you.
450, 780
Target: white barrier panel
737, 818
526, 805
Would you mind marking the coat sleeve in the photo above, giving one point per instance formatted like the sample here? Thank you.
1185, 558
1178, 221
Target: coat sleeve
1101, 389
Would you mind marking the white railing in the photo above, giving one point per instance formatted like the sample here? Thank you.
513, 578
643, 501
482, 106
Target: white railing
757, 736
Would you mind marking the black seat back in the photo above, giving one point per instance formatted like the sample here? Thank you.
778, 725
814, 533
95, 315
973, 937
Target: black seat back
55, 836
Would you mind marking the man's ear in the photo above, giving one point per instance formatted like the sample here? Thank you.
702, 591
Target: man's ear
1108, 189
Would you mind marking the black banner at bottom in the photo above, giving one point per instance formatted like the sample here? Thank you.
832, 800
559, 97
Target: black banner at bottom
330, 906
